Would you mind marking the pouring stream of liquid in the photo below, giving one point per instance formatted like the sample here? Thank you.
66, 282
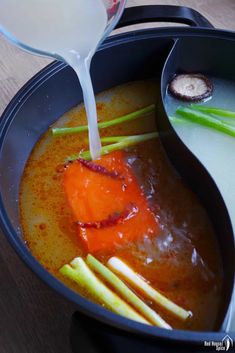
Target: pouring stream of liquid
67, 30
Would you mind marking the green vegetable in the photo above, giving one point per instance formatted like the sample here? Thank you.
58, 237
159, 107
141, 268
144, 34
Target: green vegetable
176, 120
112, 139
212, 110
125, 292
79, 272
124, 142
122, 269
105, 124
204, 119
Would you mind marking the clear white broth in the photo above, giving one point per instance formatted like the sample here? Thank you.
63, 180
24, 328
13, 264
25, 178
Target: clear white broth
214, 149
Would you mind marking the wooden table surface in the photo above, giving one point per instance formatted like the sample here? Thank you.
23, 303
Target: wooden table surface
33, 318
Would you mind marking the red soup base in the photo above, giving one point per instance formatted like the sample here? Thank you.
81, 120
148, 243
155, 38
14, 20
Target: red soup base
177, 253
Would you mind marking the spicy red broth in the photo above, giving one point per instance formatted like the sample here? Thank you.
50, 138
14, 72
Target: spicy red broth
180, 257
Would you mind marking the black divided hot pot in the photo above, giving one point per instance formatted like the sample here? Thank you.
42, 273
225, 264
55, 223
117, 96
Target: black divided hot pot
125, 57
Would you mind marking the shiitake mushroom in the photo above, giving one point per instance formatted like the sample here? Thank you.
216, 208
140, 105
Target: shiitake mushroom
191, 87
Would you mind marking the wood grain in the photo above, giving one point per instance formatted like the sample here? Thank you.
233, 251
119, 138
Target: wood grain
33, 318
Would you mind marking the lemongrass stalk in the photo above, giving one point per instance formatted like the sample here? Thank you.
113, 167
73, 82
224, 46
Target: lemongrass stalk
127, 141
204, 119
128, 117
126, 293
79, 272
216, 111
120, 268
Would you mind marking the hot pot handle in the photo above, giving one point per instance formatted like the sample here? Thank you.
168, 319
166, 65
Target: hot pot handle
163, 13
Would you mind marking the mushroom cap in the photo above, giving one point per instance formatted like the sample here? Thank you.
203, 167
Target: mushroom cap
191, 87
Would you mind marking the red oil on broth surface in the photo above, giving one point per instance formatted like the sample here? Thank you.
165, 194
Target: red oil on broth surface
181, 259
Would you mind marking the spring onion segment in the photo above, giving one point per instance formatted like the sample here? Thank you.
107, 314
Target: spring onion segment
79, 272
125, 292
212, 110
105, 124
204, 119
120, 268
112, 139
176, 120
126, 141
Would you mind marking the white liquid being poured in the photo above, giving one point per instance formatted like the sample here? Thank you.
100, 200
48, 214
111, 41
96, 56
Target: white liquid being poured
71, 29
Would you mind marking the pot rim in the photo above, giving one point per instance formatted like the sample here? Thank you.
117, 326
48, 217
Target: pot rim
85, 306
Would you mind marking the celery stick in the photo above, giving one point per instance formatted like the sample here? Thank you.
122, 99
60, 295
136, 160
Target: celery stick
127, 141
125, 292
105, 124
204, 119
79, 272
216, 111
133, 278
